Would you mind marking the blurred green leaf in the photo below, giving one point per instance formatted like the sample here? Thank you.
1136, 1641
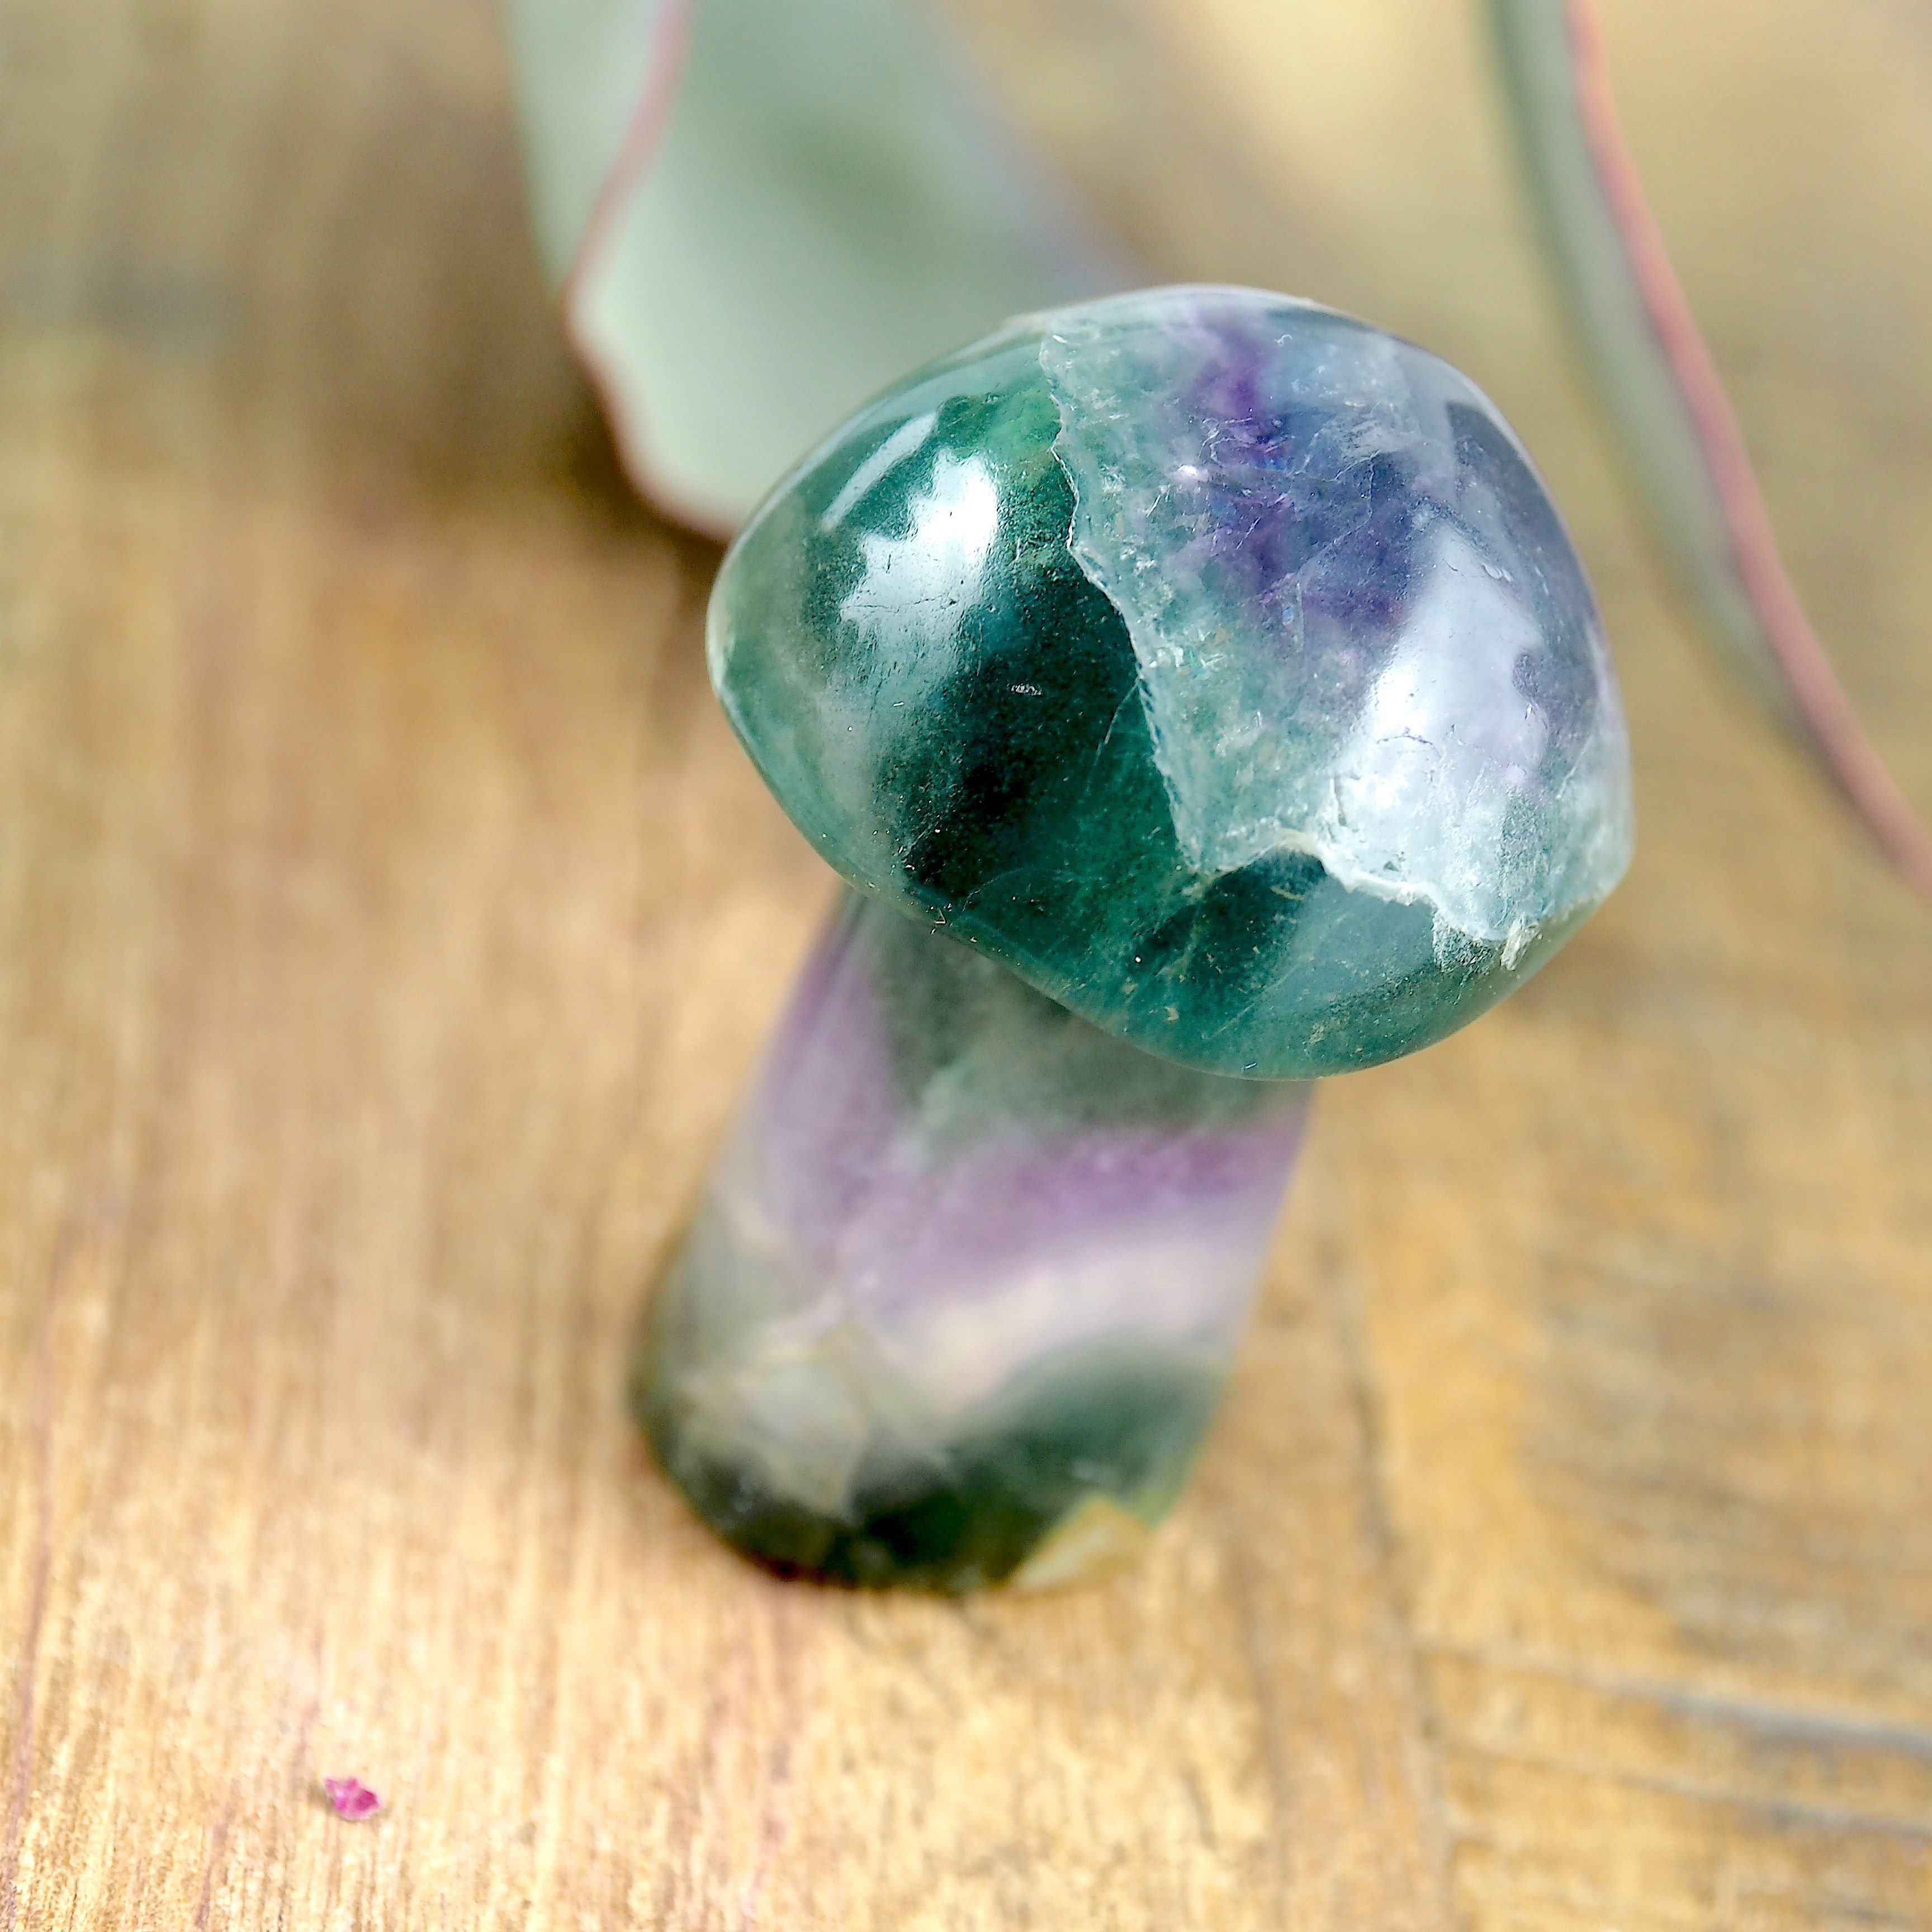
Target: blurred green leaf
762, 212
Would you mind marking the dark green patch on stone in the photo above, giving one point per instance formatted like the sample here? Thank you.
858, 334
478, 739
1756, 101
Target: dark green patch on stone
1122, 1423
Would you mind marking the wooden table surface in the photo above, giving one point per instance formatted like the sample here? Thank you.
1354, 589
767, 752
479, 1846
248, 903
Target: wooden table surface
387, 919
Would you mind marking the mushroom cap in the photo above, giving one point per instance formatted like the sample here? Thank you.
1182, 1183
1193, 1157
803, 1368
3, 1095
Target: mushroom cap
1217, 662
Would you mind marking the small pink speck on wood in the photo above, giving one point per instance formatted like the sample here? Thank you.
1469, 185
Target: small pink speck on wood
353, 1798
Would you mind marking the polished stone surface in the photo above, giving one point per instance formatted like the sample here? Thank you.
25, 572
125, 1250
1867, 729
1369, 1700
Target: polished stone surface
963, 1290
1217, 662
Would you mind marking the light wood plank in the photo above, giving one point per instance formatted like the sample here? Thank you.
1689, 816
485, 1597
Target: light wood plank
386, 919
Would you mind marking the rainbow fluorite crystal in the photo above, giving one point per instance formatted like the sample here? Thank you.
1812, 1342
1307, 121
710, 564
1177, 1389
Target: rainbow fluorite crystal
1201, 690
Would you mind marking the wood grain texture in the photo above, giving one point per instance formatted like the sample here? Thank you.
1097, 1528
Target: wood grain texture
386, 920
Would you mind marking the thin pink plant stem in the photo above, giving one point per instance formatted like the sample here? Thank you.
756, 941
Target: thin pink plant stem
1819, 699
670, 33
670, 38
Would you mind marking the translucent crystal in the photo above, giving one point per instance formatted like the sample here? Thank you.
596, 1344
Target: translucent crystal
1216, 662
1200, 671
962, 1291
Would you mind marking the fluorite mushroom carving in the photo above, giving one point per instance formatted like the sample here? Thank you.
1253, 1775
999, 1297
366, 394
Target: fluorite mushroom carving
1201, 695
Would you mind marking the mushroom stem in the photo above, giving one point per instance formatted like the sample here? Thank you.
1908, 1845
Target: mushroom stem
959, 1300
